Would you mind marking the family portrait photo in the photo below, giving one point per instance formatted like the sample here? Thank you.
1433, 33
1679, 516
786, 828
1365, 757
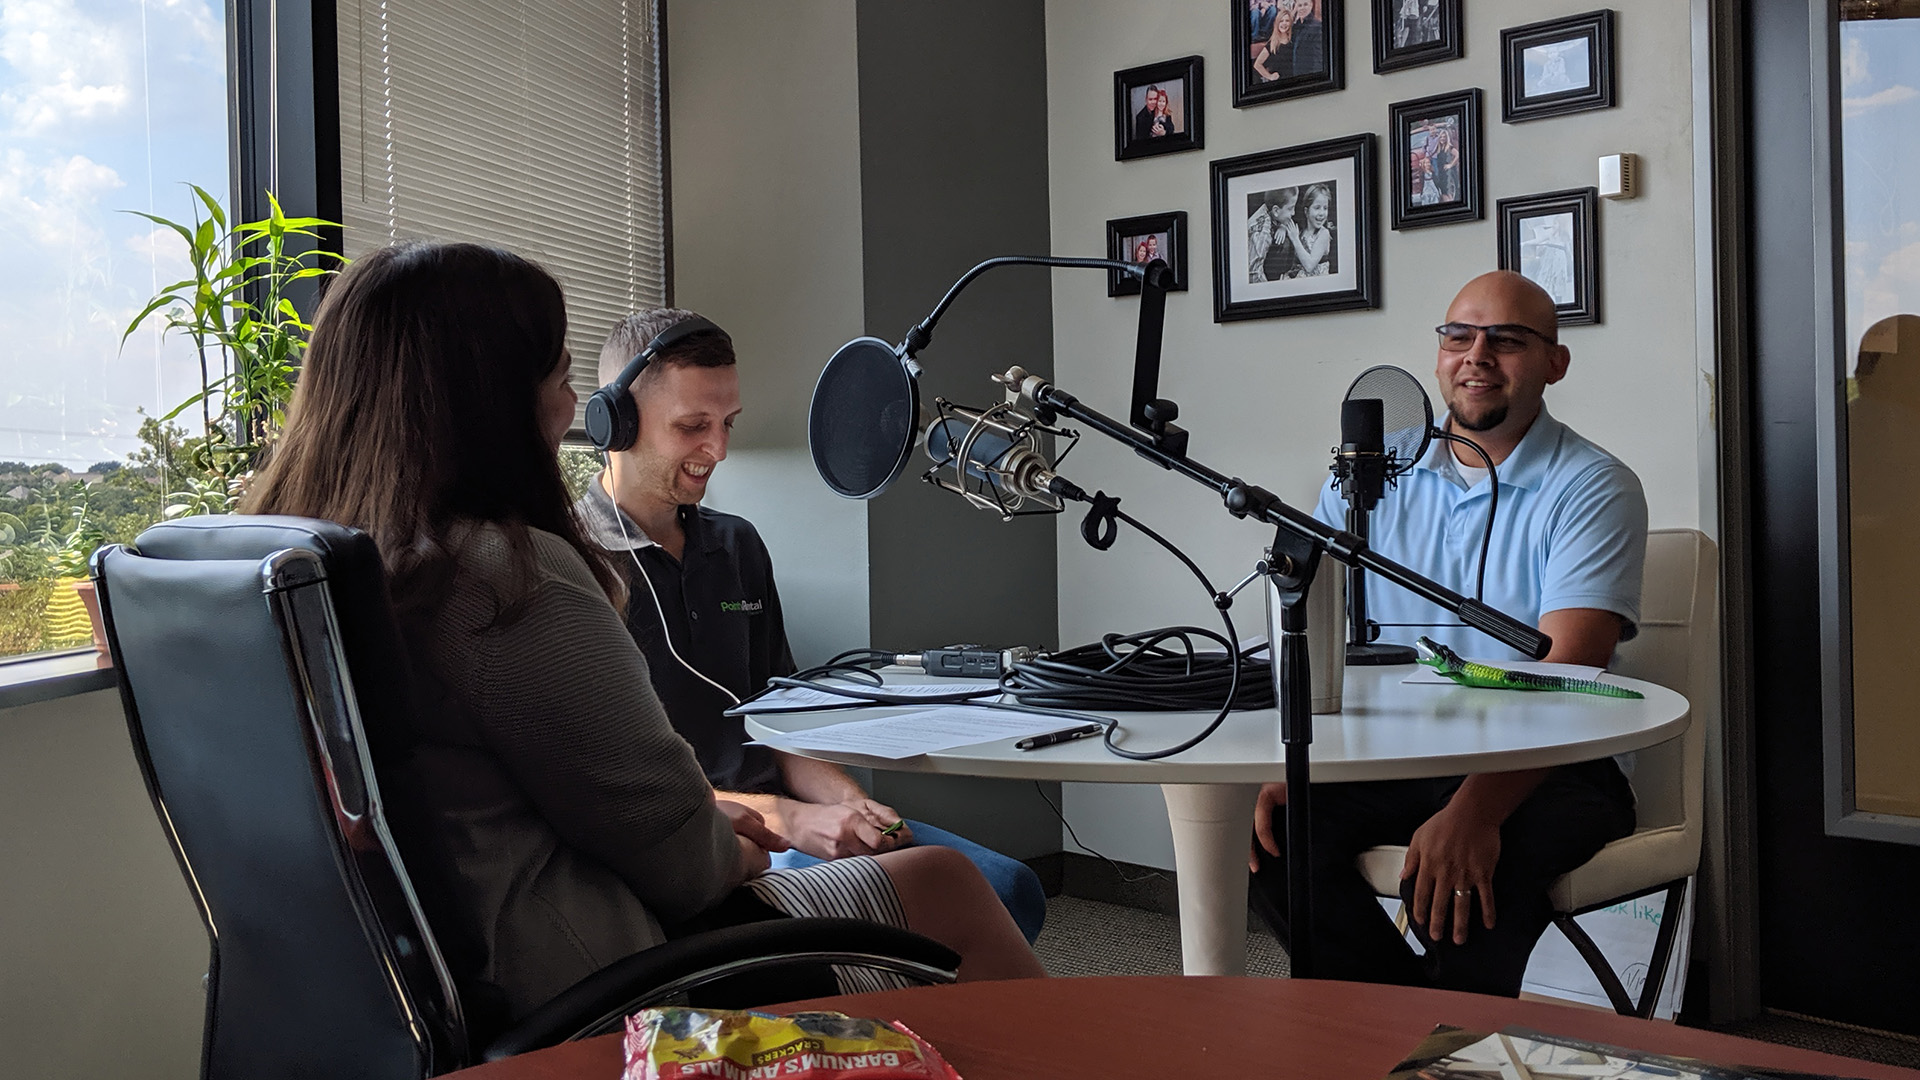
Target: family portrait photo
1434, 151
1157, 109
1436, 159
1285, 48
1557, 67
1156, 112
1295, 230
1409, 33
1553, 241
1140, 240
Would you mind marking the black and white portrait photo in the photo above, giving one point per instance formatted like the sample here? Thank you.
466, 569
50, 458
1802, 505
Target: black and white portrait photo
1416, 23
1285, 48
1553, 240
1157, 109
1294, 230
1410, 33
1556, 67
1546, 254
1290, 233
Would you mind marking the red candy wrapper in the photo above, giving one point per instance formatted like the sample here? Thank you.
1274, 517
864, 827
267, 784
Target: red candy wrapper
682, 1044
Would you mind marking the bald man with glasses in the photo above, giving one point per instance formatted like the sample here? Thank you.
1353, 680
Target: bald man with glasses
1566, 554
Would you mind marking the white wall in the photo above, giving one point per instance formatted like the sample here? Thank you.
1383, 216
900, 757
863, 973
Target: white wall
102, 952
1261, 397
765, 143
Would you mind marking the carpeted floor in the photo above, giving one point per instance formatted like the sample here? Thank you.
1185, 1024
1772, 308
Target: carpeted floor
1134, 942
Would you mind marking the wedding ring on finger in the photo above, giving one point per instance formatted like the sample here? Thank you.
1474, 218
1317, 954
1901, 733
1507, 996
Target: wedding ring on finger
1462, 894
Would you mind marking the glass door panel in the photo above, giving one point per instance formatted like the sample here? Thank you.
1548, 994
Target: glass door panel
1879, 144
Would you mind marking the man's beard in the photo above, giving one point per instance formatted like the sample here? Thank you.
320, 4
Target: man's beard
1487, 421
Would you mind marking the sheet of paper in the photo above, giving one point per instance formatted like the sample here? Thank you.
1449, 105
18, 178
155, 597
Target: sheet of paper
912, 734
1424, 674
787, 697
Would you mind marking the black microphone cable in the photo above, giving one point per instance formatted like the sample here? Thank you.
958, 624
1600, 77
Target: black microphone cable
1493, 505
1111, 674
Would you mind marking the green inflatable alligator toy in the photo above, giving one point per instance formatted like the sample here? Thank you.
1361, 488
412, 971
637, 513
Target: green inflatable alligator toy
1467, 673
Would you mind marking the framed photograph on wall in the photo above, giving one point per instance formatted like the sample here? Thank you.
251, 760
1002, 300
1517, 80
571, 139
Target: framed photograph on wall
1157, 109
1436, 159
1409, 33
1556, 67
1296, 230
1142, 239
1553, 239
1286, 49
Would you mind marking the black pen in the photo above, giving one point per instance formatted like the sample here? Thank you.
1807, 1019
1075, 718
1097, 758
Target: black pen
1035, 742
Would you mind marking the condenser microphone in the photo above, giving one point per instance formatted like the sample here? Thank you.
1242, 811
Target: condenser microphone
1361, 465
996, 459
1386, 421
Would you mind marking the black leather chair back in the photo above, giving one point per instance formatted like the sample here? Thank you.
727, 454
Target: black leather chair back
257, 656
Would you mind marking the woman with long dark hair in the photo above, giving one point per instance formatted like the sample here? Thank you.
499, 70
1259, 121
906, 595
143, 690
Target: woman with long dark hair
577, 824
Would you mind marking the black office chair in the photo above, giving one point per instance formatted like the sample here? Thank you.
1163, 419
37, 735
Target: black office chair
266, 690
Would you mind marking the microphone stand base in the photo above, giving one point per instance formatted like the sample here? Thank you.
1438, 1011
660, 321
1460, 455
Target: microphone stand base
1376, 654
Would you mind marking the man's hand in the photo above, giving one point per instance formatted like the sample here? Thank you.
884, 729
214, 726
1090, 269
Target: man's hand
1451, 859
1272, 797
837, 830
754, 836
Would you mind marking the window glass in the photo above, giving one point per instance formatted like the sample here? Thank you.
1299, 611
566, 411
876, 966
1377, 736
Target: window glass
1879, 114
106, 108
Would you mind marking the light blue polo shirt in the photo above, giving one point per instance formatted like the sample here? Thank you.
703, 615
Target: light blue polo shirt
1572, 533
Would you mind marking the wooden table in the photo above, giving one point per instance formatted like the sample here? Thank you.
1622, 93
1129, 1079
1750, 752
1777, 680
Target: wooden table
1180, 1026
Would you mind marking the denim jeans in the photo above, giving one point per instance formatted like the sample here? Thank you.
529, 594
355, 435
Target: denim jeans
1013, 881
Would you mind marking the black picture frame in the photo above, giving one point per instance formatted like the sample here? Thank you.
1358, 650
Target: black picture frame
1553, 86
1457, 185
1566, 261
1394, 50
1129, 232
1327, 17
1131, 138
1250, 190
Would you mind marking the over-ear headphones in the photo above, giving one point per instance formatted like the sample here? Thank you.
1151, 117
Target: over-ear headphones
613, 417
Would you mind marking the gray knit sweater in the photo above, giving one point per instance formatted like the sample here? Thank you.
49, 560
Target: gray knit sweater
577, 820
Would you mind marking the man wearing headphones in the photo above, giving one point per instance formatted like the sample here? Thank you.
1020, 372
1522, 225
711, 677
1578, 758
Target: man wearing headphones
703, 606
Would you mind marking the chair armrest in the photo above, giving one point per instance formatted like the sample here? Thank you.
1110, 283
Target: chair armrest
624, 986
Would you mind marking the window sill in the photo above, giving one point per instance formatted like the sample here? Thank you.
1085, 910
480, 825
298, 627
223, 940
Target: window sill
32, 679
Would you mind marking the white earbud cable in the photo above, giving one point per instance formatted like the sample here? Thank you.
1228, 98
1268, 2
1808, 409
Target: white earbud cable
620, 518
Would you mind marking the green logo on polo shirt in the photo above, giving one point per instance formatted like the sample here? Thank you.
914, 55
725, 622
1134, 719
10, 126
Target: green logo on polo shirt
748, 606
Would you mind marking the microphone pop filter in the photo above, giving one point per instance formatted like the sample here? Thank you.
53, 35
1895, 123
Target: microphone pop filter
1406, 415
864, 418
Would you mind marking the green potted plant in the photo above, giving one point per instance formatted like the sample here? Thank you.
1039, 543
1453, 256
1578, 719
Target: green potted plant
246, 331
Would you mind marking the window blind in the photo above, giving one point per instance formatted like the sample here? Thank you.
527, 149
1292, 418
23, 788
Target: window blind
532, 125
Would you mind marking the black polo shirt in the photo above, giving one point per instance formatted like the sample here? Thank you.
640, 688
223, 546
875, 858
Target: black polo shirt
723, 615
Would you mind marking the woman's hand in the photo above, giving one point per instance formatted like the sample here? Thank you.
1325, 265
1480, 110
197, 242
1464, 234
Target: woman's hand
756, 839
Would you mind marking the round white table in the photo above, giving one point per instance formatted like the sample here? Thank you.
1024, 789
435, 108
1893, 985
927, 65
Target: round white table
1387, 730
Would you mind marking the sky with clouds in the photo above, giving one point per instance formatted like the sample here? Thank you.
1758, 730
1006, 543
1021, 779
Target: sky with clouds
105, 106
1880, 114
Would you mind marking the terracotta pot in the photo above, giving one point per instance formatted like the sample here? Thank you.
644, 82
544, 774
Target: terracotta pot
92, 601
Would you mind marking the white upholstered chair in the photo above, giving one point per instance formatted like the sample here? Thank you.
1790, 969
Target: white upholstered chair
1676, 648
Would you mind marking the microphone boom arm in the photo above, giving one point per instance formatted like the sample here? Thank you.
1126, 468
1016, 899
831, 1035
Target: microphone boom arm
1250, 500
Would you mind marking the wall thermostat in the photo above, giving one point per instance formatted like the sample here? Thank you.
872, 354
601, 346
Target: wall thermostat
1618, 177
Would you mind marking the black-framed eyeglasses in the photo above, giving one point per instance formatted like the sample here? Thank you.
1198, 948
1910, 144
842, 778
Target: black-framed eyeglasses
1503, 338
